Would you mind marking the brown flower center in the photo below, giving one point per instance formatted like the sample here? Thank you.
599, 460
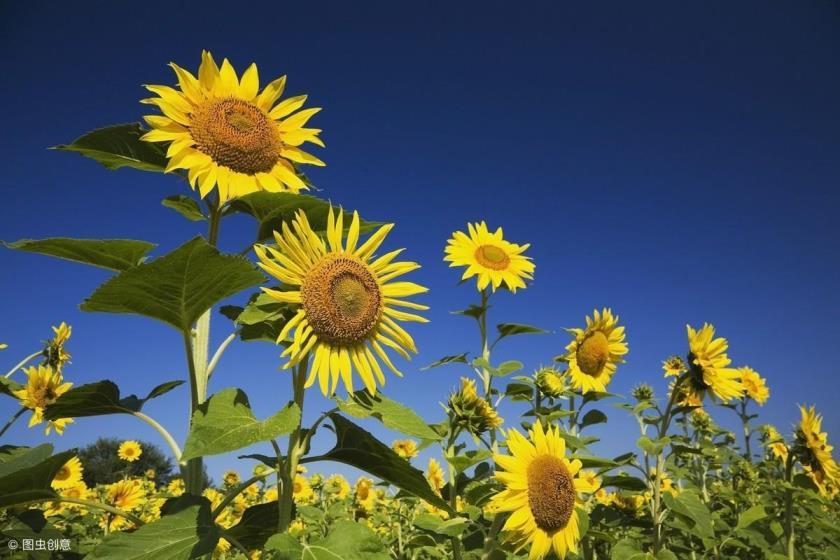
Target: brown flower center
593, 353
43, 396
342, 300
237, 135
551, 493
490, 256
63, 473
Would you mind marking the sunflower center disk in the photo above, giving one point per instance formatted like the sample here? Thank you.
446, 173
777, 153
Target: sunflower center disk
63, 473
593, 353
551, 493
342, 301
237, 135
490, 256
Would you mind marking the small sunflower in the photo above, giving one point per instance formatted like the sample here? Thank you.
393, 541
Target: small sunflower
550, 381
231, 478
595, 352
674, 366
79, 491
69, 475
471, 412
542, 491
814, 452
125, 494
774, 442
435, 476
709, 363
228, 135
490, 258
405, 448
365, 495
301, 490
44, 385
176, 487
755, 386
129, 451
55, 354
338, 486
347, 304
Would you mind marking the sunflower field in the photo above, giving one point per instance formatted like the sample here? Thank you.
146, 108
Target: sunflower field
325, 286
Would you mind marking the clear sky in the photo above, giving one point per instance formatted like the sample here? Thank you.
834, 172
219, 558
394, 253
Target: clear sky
678, 163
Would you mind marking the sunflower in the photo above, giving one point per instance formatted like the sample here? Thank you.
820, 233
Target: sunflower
405, 448
176, 487
708, 363
129, 451
69, 475
125, 494
542, 491
489, 257
471, 412
227, 134
338, 485
44, 385
346, 302
755, 386
301, 490
365, 495
55, 355
595, 352
550, 381
674, 366
79, 491
813, 450
435, 476
231, 478
774, 442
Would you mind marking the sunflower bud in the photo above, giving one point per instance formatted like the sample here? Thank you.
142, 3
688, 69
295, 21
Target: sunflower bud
643, 392
470, 412
551, 382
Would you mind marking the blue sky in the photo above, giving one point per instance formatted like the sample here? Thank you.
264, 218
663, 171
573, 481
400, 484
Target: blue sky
676, 163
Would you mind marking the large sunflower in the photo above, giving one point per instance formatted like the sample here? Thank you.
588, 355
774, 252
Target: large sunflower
814, 452
595, 352
346, 301
489, 257
43, 386
542, 491
227, 134
708, 365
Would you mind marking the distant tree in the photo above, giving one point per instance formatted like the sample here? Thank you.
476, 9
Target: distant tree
103, 466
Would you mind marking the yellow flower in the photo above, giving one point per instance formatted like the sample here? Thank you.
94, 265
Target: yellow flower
150, 473
347, 305
814, 452
542, 491
551, 382
490, 258
125, 494
365, 496
43, 386
69, 475
472, 412
229, 136
674, 366
301, 490
3, 346
259, 469
405, 448
665, 483
79, 492
296, 527
55, 355
231, 478
708, 365
755, 387
338, 485
176, 487
270, 495
129, 451
435, 476
595, 352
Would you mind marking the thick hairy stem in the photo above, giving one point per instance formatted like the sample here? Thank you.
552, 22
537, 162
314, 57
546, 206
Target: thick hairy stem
193, 471
295, 450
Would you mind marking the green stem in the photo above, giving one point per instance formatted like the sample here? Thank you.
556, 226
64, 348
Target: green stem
745, 420
13, 419
295, 449
490, 539
656, 510
95, 505
453, 491
194, 469
170, 441
23, 362
790, 539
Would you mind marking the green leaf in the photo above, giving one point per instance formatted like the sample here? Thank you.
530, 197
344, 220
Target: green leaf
468, 459
474, 311
506, 368
513, 329
519, 392
100, 398
448, 528
272, 209
111, 254
689, 504
665, 554
454, 359
651, 446
119, 146
345, 540
226, 423
26, 473
358, 448
257, 524
594, 416
189, 533
261, 319
625, 482
178, 287
186, 206
8, 385
30, 524
392, 414
747, 518
626, 549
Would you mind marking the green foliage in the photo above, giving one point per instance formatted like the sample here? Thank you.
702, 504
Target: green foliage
102, 465
111, 254
119, 146
346, 540
26, 473
392, 414
100, 398
186, 206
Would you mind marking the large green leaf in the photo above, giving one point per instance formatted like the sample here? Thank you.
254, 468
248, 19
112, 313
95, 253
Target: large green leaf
26, 473
272, 209
30, 524
625, 482
257, 524
112, 254
394, 415
345, 540
689, 505
102, 397
358, 448
119, 146
261, 319
177, 287
226, 423
189, 533
186, 206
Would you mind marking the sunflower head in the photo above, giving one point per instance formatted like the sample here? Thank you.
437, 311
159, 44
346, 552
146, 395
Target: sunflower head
129, 451
55, 354
471, 412
551, 381
338, 486
301, 490
125, 494
643, 392
709, 365
812, 449
346, 305
435, 476
755, 386
44, 385
490, 258
229, 135
674, 366
69, 475
542, 490
405, 448
596, 351
231, 478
